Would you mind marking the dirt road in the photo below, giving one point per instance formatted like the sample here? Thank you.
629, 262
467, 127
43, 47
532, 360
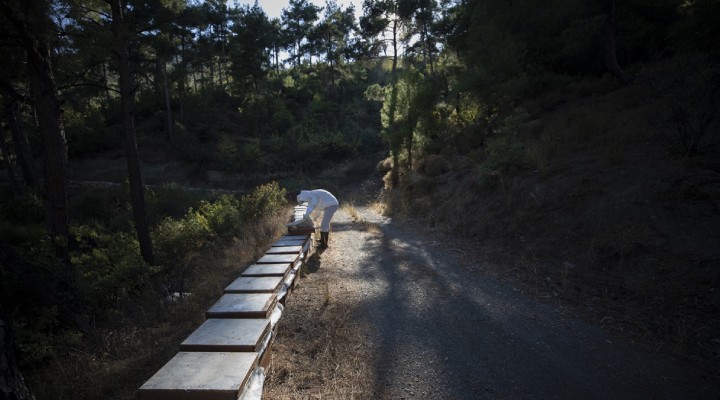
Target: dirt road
390, 313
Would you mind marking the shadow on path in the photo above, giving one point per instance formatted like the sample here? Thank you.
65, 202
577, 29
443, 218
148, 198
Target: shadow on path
446, 332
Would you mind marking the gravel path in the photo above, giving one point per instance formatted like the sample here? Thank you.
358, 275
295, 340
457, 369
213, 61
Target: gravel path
438, 328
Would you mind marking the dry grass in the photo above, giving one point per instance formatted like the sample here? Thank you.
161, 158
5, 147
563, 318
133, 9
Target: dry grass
349, 207
319, 352
355, 217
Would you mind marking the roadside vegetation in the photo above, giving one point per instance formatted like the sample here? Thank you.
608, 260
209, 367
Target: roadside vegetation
575, 146
124, 318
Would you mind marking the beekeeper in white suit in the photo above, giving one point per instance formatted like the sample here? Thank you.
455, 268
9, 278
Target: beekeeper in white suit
320, 200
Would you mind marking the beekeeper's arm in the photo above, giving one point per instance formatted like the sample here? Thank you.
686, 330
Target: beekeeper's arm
312, 203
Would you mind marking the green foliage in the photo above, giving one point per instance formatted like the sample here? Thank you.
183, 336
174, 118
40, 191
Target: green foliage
375, 92
502, 155
253, 34
109, 206
169, 200
21, 218
227, 151
222, 215
505, 150
250, 155
264, 200
39, 337
315, 150
21, 209
177, 240
87, 132
109, 266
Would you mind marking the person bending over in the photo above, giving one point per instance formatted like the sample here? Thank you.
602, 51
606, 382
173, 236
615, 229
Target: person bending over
320, 200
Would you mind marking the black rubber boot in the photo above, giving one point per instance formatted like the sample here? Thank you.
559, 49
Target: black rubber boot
323, 240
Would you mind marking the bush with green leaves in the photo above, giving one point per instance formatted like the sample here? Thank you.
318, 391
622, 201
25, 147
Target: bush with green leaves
264, 200
22, 209
109, 266
504, 151
176, 243
222, 215
169, 199
21, 218
176, 239
314, 150
87, 131
40, 337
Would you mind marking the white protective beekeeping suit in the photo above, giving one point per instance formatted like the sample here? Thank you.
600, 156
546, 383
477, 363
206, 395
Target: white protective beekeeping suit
320, 200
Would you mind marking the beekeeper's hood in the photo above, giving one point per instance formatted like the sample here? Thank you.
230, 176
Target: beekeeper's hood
303, 196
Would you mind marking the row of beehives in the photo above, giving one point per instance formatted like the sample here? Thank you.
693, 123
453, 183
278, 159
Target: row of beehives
226, 357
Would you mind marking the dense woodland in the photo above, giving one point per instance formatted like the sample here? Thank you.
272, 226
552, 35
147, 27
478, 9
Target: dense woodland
450, 91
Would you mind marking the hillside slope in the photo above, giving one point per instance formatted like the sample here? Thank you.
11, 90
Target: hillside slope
602, 210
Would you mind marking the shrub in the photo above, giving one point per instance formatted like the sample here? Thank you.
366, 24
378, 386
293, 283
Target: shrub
21, 218
223, 215
86, 132
316, 149
21, 234
23, 209
690, 86
251, 154
504, 151
503, 154
176, 239
433, 165
265, 200
100, 204
39, 336
169, 199
109, 265
177, 242
227, 152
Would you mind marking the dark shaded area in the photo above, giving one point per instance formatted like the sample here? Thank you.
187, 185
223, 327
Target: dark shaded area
435, 319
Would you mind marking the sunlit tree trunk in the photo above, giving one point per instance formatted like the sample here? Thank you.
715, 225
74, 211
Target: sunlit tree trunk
106, 84
127, 106
394, 143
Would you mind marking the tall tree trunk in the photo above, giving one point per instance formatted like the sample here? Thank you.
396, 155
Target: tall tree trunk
277, 59
55, 158
431, 58
106, 85
168, 106
394, 145
202, 77
212, 73
35, 27
12, 383
23, 152
221, 61
183, 77
611, 60
127, 106
7, 164
157, 83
